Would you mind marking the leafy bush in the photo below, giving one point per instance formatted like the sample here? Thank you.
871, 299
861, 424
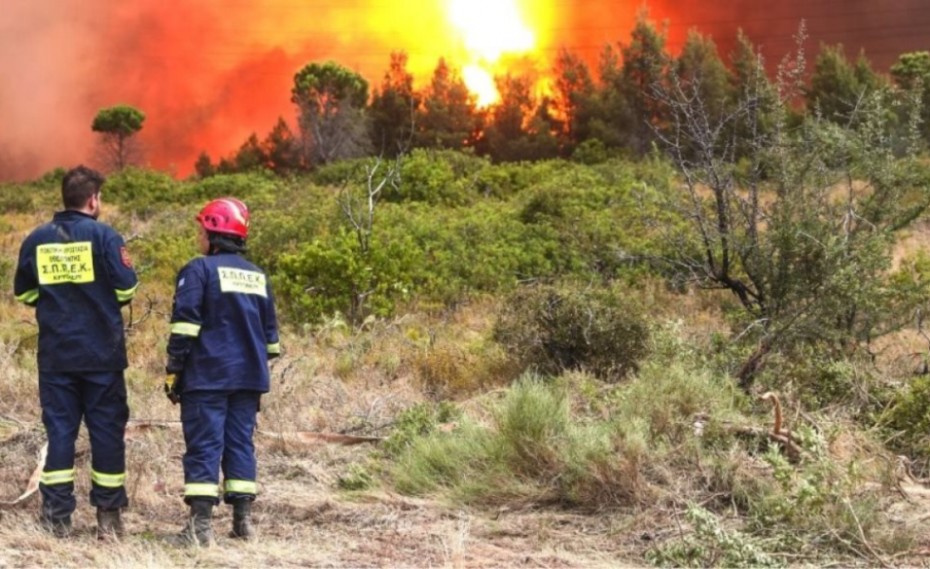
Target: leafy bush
293, 218
591, 151
478, 249
437, 177
553, 328
142, 191
907, 420
710, 546
254, 188
322, 278
417, 421
14, 199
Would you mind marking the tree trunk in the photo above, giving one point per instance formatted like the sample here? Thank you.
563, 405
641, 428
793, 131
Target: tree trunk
747, 372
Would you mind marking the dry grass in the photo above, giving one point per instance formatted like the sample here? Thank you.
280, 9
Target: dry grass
303, 517
338, 380
303, 520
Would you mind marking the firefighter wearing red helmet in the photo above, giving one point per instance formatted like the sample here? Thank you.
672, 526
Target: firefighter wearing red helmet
223, 332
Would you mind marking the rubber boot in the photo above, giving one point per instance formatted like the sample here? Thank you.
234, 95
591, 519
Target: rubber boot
242, 520
198, 531
109, 524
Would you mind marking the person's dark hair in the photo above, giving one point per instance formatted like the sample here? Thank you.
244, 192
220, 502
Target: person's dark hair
226, 243
78, 185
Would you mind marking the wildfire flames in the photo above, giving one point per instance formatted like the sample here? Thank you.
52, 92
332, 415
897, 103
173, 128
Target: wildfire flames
491, 29
209, 73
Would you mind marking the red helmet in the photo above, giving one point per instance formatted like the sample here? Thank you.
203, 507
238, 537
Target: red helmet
228, 216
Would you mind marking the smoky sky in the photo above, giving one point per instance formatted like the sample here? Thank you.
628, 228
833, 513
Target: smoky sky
208, 73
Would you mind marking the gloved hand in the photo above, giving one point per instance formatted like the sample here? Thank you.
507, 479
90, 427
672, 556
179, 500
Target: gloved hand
173, 388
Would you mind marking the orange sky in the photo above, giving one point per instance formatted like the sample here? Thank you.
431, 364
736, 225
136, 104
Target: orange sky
208, 73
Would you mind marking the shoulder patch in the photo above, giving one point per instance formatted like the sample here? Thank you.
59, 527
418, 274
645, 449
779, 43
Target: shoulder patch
125, 258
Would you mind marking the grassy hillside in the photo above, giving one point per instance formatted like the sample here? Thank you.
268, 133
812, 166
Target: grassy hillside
476, 328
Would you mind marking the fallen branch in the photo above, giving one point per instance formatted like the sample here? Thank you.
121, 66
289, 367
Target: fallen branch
312, 438
787, 442
137, 427
33, 484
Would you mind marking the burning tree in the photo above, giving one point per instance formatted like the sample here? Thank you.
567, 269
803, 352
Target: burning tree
449, 117
393, 109
331, 103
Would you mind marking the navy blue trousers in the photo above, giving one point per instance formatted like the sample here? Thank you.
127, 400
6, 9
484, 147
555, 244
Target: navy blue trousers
218, 430
99, 398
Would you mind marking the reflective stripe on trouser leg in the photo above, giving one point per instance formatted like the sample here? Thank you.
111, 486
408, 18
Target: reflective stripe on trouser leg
201, 490
108, 480
239, 467
240, 487
60, 397
203, 414
53, 477
106, 414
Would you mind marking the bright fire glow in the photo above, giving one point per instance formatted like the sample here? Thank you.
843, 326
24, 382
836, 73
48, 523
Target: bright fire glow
480, 82
490, 29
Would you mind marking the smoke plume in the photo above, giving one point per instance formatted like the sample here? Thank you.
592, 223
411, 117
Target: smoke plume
208, 73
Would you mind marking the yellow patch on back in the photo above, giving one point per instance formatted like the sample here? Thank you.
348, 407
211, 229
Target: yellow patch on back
59, 263
242, 281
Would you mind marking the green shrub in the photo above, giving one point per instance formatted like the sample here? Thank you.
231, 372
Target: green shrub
254, 188
437, 177
339, 173
533, 450
14, 199
159, 257
710, 545
591, 151
356, 477
417, 421
907, 419
296, 216
142, 191
554, 328
335, 275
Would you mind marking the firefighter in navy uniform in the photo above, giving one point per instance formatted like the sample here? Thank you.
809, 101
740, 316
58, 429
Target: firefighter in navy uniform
76, 273
223, 332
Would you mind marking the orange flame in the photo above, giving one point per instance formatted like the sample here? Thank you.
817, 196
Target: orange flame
490, 29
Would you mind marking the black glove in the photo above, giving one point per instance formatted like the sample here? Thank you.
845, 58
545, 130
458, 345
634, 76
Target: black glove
173, 387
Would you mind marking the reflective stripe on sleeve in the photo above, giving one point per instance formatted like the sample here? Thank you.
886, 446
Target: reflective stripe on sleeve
107, 480
126, 295
29, 297
185, 329
208, 489
241, 486
57, 477
274, 348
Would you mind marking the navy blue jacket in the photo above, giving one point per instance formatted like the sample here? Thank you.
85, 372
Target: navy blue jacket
77, 274
223, 325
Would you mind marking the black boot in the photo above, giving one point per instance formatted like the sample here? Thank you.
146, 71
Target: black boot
59, 526
199, 527
109, 524
242, 520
